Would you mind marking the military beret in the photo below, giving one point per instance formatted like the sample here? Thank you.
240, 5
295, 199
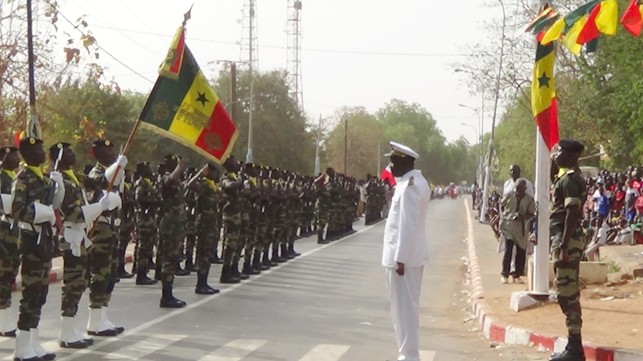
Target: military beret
571, 145
29, 141
172, 156
401, 150
142, 164
102, 142
59, 145
7, 150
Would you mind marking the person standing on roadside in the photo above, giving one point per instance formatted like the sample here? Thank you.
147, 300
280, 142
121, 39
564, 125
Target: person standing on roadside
405, 250
567, 241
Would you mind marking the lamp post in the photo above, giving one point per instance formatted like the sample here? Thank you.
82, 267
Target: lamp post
477, 132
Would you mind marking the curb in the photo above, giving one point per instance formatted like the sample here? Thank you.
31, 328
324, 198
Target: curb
496, 331
55, 275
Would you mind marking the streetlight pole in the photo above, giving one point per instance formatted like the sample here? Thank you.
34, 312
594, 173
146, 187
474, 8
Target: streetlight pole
480, 172
317, 159
479, 167
345, 143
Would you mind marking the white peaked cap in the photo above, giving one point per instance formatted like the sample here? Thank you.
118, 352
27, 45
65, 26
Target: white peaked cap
402, 150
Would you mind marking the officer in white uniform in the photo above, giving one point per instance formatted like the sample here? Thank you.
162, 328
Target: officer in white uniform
405, 248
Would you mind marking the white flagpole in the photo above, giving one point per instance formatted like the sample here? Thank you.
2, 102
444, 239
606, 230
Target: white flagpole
540, 279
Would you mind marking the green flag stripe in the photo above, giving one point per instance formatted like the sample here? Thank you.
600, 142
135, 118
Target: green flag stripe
544, 50
574, 16
167, 94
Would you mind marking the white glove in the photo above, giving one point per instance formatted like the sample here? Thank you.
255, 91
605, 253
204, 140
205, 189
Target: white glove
104, 202
75, 250
57, 177
43, 213
121, 161
114, 200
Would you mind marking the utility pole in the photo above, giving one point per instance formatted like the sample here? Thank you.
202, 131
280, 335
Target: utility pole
345, 143
233, 91
249, 17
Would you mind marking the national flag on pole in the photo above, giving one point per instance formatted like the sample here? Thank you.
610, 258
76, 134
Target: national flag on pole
543, 94
171, 65
187, 110
632, 19
543, 20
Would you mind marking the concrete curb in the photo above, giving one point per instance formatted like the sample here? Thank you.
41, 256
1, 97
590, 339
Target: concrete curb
496, 331
56, 275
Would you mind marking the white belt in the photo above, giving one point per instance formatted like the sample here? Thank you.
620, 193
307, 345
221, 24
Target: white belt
29, 227
75, 225
103, 219
6, 218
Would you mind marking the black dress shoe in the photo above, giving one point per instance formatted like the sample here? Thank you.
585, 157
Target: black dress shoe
171, 302
182, 272
77, 344
89, 341
11, 333
48, 356
145, 281
35, 358
205, 290
119, 329
125, 274
110, 332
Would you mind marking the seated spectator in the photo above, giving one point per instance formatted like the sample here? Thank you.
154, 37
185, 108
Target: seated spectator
599, 239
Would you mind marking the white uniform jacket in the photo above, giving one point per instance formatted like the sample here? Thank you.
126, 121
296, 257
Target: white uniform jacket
405, 232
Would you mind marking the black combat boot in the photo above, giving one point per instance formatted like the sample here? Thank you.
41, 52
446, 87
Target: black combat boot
226, 275
291, 250
573, 351
256, 261
234, 269
284, 252
142, 279
265, 261
248, 266
320, 237
189, 261
122, 273
180, 271
168, 300
202, 287
275, 254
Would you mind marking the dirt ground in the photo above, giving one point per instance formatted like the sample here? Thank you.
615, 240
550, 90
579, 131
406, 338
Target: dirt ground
608, 310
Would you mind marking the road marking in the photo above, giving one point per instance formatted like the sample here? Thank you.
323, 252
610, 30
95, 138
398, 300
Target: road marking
427, 355
325, 352
234, 350
146, 346
155, 321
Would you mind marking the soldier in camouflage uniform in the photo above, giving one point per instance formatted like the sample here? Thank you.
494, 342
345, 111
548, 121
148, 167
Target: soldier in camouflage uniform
73, 246
293, 203
231, 184
125, 229
35, 197
567, 241
206, 191
104, 237
146, 202
190, 227
250, 196
9, 255
323, 205
171, 232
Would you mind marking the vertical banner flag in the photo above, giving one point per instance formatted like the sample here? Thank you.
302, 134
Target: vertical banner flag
543, 94
185, 108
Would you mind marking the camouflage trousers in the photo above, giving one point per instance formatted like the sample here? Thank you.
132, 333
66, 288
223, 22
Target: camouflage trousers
146, 232
322, 214
207, 236
102, 262
74, 281
9, 263
124, 238
231, 236
36, 264
171, 233
567, 281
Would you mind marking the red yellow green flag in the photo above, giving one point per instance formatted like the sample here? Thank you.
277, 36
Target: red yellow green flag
171, 65
188, 110
607, 18
632, 19
543, 94
590, 30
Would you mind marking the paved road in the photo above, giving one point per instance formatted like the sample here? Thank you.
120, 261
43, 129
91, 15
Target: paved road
329, 304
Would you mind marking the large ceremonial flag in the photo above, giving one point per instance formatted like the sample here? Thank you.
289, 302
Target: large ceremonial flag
171, 65
632, 19
187, 109
543, 94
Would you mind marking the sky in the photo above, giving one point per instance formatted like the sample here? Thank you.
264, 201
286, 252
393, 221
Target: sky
354, 52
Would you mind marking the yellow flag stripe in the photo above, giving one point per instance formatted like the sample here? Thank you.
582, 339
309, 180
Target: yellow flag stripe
195, 110
554, 32
543, 88
572, 35
607, 18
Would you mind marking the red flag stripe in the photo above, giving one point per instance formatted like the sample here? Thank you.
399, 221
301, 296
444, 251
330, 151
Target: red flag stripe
547, 122
590, 30
632, 19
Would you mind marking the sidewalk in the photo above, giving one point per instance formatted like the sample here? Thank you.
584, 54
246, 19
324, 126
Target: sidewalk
612, 313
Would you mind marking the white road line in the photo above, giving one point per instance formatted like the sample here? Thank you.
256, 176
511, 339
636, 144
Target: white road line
326, 352
145, 347
153, 322
427, 355
234, 350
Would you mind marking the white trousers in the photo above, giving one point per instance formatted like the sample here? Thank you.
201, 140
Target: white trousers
405, 310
